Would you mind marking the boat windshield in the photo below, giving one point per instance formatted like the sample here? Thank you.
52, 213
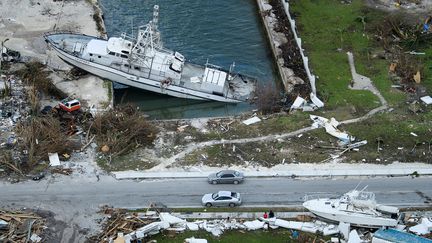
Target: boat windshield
365, 196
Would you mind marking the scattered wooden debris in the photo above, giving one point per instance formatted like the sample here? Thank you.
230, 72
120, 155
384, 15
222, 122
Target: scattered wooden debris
21, 227
119, 221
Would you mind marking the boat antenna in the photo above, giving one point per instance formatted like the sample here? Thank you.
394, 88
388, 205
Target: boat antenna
364, 188
232, 66
155, 17
132, 27
357, 186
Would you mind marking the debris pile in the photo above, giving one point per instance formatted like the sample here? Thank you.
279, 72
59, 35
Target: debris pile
331, 128
21, 227
424, 227
133, 227
13, 108
121, 130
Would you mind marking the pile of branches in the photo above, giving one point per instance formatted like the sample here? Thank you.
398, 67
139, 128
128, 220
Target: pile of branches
398, 36
396, 30
407, 67
40, 136
20, 227
122, 130
34, 74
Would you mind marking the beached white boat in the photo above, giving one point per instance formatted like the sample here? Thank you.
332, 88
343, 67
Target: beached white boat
356, 207
142, 62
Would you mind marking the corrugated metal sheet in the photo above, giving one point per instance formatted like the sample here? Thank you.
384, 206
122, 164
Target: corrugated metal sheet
393, 235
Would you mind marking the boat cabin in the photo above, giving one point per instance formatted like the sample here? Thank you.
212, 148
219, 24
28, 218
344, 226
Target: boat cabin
102, 51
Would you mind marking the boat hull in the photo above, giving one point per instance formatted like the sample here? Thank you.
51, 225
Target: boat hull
353, 218
136, 81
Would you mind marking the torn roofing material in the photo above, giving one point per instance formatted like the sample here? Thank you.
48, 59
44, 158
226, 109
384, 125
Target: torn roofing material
392, 235
331, 128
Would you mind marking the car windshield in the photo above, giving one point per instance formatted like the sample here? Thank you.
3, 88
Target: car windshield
214, 195
237, 173
219, 174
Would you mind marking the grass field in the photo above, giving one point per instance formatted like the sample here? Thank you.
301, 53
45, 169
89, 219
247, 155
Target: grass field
329, 29
259, 236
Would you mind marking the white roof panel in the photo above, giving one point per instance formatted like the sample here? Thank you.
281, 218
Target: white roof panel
118, 45
214, 76
97, 47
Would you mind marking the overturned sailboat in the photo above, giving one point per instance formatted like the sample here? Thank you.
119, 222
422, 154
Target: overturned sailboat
142, 62
355, 207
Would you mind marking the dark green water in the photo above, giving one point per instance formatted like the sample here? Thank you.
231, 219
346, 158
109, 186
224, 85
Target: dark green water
222, 31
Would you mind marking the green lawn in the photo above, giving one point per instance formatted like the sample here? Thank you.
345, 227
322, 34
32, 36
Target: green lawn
258, 236
328, 30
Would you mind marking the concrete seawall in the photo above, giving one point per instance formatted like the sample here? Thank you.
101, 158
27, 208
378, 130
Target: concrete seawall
279, 43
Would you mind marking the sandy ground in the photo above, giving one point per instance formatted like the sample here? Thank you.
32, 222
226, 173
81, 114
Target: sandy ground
24, 22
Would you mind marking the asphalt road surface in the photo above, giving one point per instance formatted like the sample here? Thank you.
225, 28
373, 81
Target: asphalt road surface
403, 191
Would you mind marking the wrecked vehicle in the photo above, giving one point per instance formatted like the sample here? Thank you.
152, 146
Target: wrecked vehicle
69, 105
9, 55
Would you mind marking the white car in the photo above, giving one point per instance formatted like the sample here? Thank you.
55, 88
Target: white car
221, 198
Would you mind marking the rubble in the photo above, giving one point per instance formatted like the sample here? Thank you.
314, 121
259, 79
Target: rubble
136, 226
252, 120
254, 225
195, 240
54, 159
20, 227
426, 99
423, 228
331, 128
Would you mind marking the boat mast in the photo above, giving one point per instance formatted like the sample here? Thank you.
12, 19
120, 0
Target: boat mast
148, 38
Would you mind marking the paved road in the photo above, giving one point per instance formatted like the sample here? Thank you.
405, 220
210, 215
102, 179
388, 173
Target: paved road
75, 201
187, 192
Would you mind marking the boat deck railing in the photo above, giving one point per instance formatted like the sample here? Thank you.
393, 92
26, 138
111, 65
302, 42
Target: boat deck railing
308, 197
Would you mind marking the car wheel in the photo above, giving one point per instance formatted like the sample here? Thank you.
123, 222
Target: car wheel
214, 182
208, 204
236, 182
231, 205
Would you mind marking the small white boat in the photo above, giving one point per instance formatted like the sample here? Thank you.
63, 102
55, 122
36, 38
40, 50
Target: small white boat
142, 62
357, 208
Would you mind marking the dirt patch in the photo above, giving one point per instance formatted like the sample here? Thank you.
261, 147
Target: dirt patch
413, 7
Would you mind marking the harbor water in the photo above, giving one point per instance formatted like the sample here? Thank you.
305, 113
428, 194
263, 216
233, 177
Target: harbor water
222, 32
